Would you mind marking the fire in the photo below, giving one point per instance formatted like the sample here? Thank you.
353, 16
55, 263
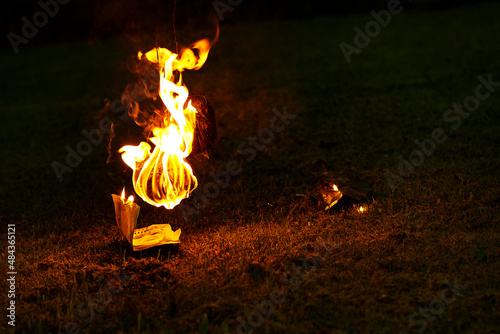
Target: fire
129, 199
161, 175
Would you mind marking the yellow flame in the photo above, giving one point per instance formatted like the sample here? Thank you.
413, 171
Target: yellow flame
335, 188
361, 209
162, 177
129, 199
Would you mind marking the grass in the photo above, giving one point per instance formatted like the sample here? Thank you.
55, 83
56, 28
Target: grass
353, 122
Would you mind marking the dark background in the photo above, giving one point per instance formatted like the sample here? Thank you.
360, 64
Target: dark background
93, 20
354, 121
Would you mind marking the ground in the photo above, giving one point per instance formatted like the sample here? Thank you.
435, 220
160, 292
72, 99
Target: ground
424, 256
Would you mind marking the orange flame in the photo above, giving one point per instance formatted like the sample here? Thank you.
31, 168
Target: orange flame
129, 199
163, 177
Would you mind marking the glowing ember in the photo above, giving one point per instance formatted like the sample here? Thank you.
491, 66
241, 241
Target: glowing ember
161, 176
361, 209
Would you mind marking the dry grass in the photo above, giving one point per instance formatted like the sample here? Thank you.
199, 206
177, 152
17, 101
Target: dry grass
353, 121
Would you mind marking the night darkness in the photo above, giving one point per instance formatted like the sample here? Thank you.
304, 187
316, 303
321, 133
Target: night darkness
345, 155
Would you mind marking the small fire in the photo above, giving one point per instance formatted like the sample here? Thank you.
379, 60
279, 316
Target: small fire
161, 176
129, 199
361, 209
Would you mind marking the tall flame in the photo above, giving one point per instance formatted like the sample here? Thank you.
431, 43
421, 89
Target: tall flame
162, 177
